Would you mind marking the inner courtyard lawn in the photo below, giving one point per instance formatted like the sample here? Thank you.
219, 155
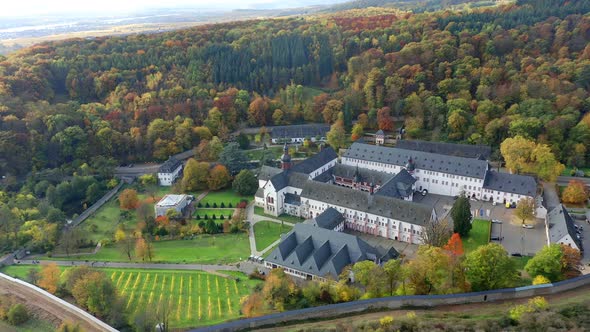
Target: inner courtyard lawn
266, 232
284, 217
194, 298
204, 249
479, 235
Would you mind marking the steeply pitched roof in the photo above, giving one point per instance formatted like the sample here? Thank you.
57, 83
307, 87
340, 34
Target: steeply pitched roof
313, 163
511, 183
320, 251
379, 133
267, 172
469, 167
259, 193
561, 224
400, 186
299, 131
347, 171
388, 207
288, 178
292, 199
169, 166
328, 219
450, 149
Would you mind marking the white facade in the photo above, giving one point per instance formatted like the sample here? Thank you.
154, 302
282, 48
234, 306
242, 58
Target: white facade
176, 202
442, 183
366, 222
167, 179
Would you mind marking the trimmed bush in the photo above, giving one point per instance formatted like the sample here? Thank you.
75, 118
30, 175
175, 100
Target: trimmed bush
17, 314
214, 217
199, 205
230, 205
198, 217
207, 204
221, 217
214, 204
222, 205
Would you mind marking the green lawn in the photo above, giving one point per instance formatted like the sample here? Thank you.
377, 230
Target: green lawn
568, 169
266, 232
32, 325
195, 298
478, 236
520, 262
284, 217
204, 249
223, 196
256, 154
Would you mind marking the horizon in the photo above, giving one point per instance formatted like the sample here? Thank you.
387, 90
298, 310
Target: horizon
29, 8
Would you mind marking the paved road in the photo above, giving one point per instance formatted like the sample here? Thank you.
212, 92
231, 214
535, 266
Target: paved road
137, 170
550, 196
564, 180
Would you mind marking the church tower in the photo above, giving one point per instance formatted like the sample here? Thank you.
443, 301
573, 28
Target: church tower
286, 158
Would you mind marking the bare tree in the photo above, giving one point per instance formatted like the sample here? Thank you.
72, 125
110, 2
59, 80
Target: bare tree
437, 233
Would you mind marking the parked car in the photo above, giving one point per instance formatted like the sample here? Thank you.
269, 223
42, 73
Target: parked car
515, 254
496, 238
527, 226
496, 221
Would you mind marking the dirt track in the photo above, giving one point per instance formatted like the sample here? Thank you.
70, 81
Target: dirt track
44, 308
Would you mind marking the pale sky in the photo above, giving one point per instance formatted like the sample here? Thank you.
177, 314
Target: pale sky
39, 7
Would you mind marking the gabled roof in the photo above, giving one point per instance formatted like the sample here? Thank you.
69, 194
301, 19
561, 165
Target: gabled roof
292, 199
288, 178
400, 186
170, 165
171, 200
449, 149
299, 131
469, 167
320, 251
267, 172
511, 183
561, 224
388, 207
347, 171
379, 133
259, 193
328, 219
313, 163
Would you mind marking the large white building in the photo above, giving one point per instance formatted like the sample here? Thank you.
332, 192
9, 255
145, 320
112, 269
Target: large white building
373, 186
169, 171
444, 174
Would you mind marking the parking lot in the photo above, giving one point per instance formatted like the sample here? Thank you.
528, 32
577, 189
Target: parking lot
515, 239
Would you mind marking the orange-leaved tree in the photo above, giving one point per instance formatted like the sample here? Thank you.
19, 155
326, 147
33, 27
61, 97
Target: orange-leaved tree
575, 192
128, 199
50, 274
218, 178
455, 245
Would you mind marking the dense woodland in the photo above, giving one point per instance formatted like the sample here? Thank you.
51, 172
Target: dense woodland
72, 110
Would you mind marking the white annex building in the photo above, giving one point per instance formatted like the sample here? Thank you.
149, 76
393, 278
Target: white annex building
373, 186
561, 228
169, 171
176, 202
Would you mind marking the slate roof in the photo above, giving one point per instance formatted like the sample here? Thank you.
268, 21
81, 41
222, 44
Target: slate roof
328, 219
561, 224
318, 160
388, 207
347, 171
380, 133
288, 178
511, 183
474, 168
299, 131
267, 172
170, 165
400, 186
449, 149
320, 252
292, 199
259, 193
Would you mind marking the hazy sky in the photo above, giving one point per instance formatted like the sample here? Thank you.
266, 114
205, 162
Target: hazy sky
37, 7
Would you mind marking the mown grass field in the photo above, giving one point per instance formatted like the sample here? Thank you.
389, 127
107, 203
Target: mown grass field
194, 298
478, 236
204, 249
223, 196
266, 232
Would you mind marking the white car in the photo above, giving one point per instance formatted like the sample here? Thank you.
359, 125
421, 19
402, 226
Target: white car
496, 221
527, 226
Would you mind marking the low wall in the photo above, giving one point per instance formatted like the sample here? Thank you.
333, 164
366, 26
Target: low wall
88, 212
397, 302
